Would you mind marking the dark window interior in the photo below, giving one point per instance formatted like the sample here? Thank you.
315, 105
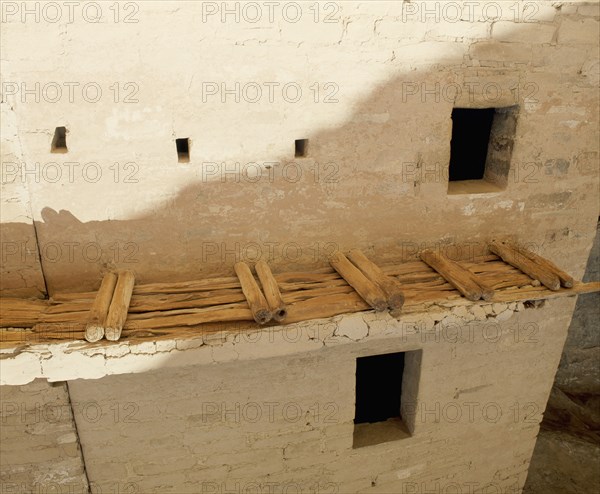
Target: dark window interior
378, 387
59, 141
470, 137
183, 150
301, 148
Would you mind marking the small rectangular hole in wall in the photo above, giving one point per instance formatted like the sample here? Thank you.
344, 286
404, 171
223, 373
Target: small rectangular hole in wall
481, 149
301, 149
385, 386
183, 150
59, 141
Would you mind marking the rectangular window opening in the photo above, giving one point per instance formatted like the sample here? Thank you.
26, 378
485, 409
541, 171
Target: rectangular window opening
183, 150
301, 149
481, 149
386, 389
59, 141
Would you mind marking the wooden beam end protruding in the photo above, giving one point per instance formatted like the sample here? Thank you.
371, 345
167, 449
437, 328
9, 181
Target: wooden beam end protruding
565, 279
369, 291
532, 268
94, 328
256, 300
271, 290
119, 305
466, 282
390, 286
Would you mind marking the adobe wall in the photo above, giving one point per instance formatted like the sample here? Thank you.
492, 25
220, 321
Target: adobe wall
378, 87
40, 450
275, 408
370, 84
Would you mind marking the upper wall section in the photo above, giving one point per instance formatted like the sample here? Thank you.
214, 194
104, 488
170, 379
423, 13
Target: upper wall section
21, 271
370, 86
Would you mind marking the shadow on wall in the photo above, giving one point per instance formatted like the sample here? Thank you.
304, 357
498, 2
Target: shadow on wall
374, 189
574, 405
565, 458
376, 182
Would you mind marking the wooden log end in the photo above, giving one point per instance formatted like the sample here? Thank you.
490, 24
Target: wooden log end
94, 333
379, 304
487, 295
280, 314
262, 316
271, 291
396, 314
395, 301
568, 283
535, 282
112, 334
487, 292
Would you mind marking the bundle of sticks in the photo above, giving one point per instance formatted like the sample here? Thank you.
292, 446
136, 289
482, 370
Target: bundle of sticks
353, 283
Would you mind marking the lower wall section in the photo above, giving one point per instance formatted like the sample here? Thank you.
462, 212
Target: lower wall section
39, 449
578, 373
285, 424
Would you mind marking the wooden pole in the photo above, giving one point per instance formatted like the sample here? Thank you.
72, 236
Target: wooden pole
119, 306
369, 292
271, 289
173, 326
94, 328
566, 279
390, 286
487, 292
455, 274
255, 298
21, 313
194, 317
162, 307
531, 268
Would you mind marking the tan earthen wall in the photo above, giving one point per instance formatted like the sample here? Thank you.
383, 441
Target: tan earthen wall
377, 84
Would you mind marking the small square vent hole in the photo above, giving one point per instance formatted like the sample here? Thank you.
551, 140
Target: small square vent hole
183, 150
59, 141
301, 148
